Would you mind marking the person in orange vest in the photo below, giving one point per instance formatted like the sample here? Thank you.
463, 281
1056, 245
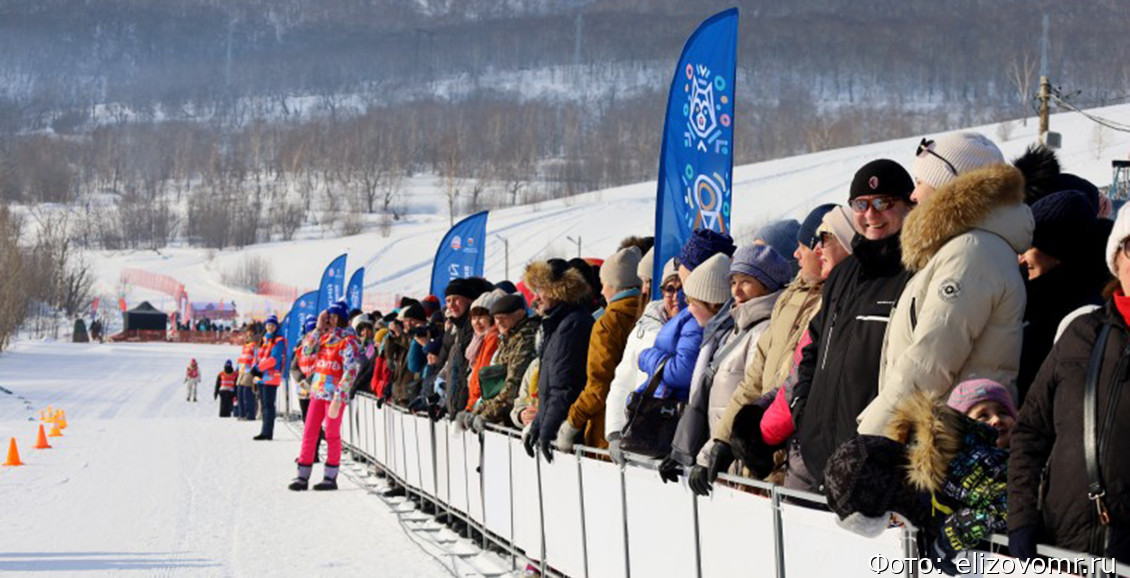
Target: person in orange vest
333, 345
191, 380
267, 369
245, 397
225, 389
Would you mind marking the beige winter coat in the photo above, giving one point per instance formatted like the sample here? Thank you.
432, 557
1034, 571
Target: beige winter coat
960, 315
771, 362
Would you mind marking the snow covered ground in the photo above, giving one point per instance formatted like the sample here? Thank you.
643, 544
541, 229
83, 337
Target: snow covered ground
401, 263
146, 483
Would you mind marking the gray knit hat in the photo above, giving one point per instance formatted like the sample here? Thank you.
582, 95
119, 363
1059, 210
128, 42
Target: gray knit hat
710, 281
838, 223
620, 270
939, 162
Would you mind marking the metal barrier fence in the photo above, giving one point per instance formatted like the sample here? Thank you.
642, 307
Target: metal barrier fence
613, 521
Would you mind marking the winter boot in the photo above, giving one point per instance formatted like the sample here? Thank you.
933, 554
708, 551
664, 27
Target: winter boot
302, 482
329, 482
261, 437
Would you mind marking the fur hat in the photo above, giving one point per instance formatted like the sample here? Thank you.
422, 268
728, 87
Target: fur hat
1063, 222
710, 281
942, 160
704, 244
620, 270
838, 223
646, 267
806, 234
974, 391
763, 263
557, 281
881, 177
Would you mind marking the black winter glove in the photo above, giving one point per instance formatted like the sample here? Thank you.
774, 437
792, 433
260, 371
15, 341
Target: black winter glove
747, 443
1022, 542
255, 372
530, 441
699, 480
435, 412
546, 449
380, 402
669, 470
721, 456
418, 405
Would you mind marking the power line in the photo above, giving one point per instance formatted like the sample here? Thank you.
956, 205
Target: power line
1111, 124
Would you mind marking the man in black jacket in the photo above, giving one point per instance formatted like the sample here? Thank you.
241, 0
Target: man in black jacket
839, 371
459, 294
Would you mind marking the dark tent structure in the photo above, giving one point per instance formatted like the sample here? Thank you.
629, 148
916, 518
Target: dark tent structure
145, 317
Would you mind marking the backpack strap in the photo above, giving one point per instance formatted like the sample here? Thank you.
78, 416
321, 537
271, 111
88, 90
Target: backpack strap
1096, 491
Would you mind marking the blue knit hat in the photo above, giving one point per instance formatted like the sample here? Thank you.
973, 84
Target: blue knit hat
340, 309
806, 234
703, 245
781, 235
272, 319
310, 323
763, 263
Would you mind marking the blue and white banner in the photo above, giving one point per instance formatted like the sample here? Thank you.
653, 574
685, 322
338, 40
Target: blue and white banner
332, 288
461, 253
354, 291
305, 306
697, 156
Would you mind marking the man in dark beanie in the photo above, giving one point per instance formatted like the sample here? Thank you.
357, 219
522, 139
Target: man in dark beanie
1065, 271
839, 371
459, 295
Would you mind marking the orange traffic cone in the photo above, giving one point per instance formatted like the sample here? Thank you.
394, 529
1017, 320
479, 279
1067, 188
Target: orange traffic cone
55, 433
13, 455
63, 422
41, 441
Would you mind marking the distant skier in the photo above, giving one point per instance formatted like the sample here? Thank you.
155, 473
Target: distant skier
225, 389
267, 370
333, 345
191, 380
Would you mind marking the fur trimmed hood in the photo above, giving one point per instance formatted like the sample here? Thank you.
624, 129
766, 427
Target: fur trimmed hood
568, 287
991, 199
933, 433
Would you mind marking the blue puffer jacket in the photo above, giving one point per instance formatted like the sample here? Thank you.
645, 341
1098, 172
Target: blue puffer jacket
678, 342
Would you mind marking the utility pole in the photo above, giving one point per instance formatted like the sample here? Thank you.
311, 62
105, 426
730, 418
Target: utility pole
578, 242
1044, 97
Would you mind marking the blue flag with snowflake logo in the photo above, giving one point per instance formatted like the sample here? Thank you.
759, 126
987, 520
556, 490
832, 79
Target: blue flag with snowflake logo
332, 288
355, 290
697, 157
461, 253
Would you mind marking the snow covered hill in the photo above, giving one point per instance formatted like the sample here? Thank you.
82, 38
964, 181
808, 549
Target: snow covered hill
401, 263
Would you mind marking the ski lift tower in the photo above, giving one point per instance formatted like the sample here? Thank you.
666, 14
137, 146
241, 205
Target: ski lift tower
1119, 191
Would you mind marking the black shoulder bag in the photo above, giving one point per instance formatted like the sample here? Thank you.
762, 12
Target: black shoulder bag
1096, 491
651, 422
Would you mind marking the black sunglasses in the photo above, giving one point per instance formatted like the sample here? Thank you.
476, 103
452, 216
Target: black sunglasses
880, 204
670, 289
926, 146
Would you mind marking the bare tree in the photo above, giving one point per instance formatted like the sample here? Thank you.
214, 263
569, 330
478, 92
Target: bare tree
1022, 73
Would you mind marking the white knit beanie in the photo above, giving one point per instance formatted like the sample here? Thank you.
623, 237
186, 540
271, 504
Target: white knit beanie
669, 269
1117, 236
710, 281
619, 270
966, 151
838, 223
647, 262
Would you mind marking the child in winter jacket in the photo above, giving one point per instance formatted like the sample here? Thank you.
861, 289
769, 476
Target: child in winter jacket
989, 402
191, 380
936, 469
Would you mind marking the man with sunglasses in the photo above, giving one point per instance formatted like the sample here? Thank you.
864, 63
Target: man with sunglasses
839, 370
960, 316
